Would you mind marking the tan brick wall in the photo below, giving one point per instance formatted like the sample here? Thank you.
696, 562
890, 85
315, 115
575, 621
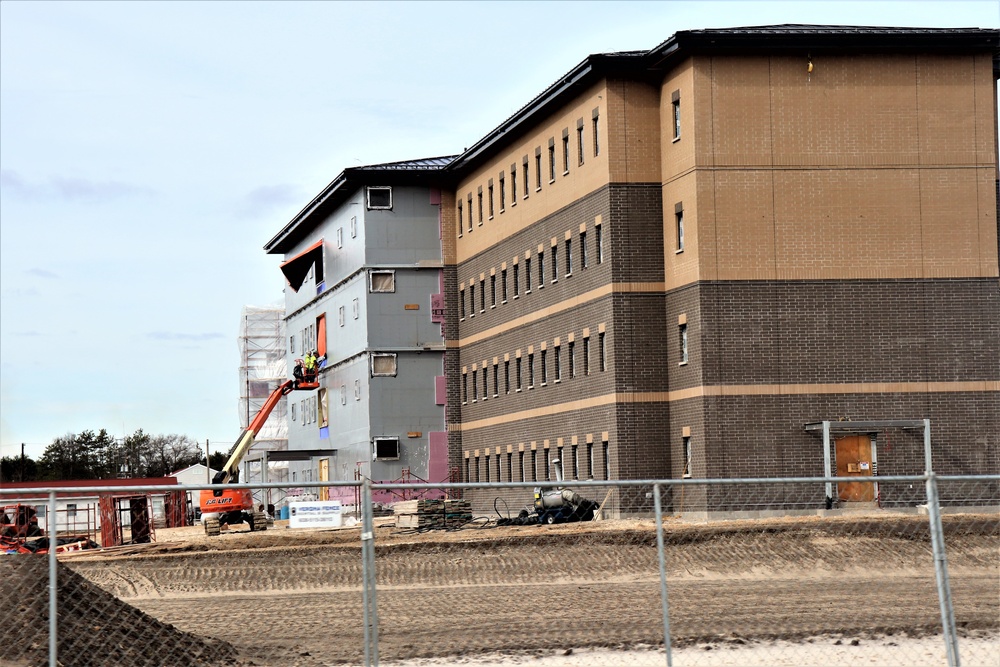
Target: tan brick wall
633, 132
449, 229
686, 267
580, 181
870, 167
678, 157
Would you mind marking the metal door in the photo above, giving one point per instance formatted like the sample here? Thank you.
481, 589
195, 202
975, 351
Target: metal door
854, 459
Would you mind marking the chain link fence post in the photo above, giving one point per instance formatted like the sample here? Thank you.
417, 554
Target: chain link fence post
51, 528
941, 571
369, 599
663, 573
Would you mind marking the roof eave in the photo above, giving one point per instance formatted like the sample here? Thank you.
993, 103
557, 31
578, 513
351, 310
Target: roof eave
340, 189
591, 69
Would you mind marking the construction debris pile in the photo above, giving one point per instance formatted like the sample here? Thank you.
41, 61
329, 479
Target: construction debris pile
94, 628
430, 514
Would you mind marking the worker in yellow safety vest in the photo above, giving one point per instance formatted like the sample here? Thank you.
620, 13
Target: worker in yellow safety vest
310, 364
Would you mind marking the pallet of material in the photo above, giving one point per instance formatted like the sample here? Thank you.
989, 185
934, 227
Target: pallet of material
432, 513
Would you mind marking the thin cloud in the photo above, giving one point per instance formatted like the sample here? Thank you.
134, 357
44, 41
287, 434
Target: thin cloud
185, 337
68, 188
42, 273
76, 189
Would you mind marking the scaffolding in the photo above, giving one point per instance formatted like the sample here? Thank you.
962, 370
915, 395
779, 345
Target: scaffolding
263, 366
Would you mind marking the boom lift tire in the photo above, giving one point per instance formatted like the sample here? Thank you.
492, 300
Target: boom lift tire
212, 527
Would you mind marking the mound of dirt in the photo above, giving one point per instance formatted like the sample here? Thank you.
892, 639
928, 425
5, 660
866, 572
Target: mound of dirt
95, 629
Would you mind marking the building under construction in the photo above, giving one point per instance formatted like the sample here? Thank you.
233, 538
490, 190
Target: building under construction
263, 367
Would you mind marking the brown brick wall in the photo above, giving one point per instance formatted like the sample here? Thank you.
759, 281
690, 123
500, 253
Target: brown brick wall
632, 240
763, 436
842, 332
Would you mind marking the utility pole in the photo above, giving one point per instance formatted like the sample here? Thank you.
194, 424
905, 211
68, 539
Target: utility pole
22, 462
208, 466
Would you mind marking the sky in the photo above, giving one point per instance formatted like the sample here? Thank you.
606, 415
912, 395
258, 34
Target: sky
149, 150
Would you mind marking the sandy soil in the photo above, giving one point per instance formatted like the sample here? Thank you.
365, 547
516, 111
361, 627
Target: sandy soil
290, 597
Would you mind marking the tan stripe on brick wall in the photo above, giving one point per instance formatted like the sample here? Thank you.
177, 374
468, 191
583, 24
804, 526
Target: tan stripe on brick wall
733, 390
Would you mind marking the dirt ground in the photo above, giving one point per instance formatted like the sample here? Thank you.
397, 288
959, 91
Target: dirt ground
293, 597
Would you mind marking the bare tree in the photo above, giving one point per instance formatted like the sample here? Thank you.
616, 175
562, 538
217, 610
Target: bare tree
169, 453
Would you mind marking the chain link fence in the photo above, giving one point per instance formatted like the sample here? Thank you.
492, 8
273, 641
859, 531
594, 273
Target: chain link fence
582, 573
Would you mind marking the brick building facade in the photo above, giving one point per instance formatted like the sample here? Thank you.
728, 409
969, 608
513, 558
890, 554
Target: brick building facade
669, 262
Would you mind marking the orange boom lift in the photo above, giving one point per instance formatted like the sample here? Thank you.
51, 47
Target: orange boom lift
219, 508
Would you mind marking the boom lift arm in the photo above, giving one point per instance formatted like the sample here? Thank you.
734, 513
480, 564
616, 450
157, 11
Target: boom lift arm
226, 506
231, 471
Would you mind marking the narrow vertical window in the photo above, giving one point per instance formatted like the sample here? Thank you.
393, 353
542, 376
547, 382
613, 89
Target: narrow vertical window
531, 370
552, 161
475, 384
556, 366
675, 103
490, 197
590, 460
472, 299
341, 315
555, 263
506, 376
520, 459
569, 257
683, 330
461, 304
496, 380
493, 291
340, 237
606, 459
579, 141
687, 457
534, 465
541, 268
517, 373
486, 387
565, 151
679, 226
571, 359
597, 143
465, 388
517, 287
460, 221
526, 180
527, 275
586, 356
479, 200
470, 212
503, 285
583, 250
538, 169
602, 351
599, 234
513, 185
545, 368
482, 295
354, 226
503, 192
